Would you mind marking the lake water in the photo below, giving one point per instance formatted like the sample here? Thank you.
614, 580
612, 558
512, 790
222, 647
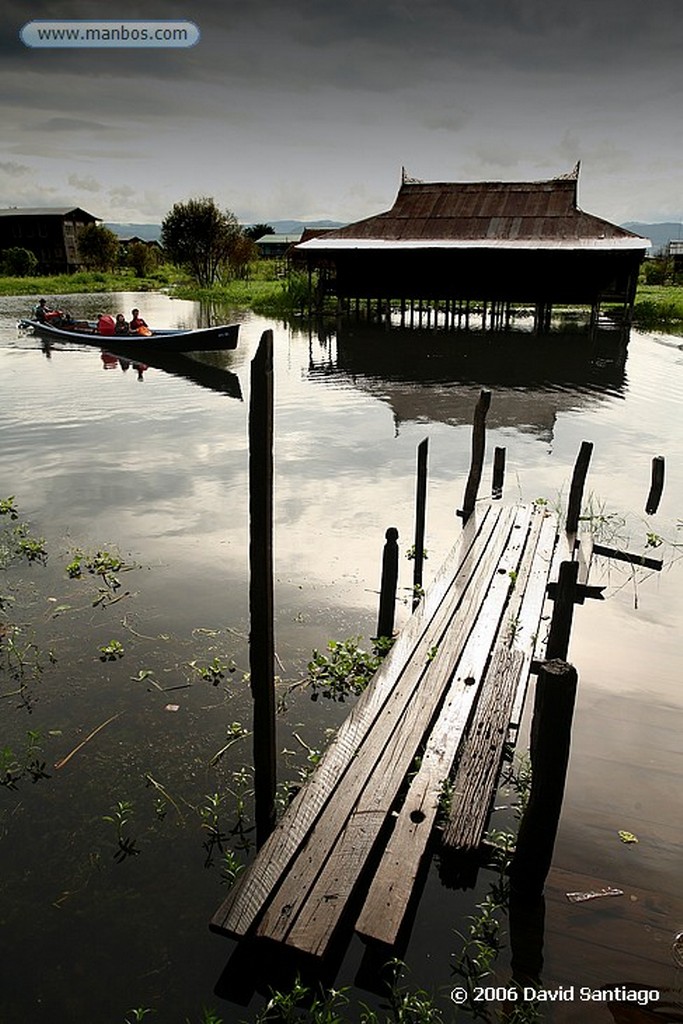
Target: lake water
152, 468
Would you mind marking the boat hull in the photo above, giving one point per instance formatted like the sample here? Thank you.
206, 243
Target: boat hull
205, 339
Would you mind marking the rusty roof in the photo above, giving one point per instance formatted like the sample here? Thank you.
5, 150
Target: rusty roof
489, 213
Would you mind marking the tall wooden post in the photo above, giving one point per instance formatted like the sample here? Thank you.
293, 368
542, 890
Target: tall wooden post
262, 634
478, 450
656, 486
498, 473
550, 742
420, 517
563, 611
387, 596
576, 489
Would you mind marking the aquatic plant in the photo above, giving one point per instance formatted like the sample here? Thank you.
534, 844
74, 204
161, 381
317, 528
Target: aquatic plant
112, 651
119, 818
347, 669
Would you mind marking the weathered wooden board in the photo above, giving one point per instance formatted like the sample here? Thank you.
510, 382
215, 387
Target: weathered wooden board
390, 890
307, 909
239, 911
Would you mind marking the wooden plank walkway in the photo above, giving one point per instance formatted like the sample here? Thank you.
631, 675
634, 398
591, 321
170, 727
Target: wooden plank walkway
448, 691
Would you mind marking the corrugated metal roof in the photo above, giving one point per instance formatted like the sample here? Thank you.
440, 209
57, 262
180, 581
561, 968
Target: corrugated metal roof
539, 213
44, 211
385, 244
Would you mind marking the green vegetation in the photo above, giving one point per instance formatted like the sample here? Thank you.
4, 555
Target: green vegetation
90, 281
201, 238
347, 669
658, 305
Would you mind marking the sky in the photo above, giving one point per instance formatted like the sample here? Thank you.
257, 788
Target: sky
309, 109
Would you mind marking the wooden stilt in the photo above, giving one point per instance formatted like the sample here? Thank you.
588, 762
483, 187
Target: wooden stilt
420, 517
577, 485
498, 473
262, 635
478, 450
656, 486
387, 597
550, 742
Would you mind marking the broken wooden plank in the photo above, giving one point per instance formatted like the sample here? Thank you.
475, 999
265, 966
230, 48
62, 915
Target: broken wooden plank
628, 556
479, 766
308, 906
244, 904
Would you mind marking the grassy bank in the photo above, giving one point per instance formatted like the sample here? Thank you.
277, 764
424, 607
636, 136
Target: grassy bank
658, 305
91, 281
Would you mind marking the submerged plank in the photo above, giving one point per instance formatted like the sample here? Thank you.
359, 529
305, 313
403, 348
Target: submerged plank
239, 911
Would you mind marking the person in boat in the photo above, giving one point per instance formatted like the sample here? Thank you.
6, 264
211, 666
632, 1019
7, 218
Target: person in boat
121, 326
44, 315
136, 321
105, 324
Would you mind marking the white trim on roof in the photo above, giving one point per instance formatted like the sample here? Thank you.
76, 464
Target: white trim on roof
325, 243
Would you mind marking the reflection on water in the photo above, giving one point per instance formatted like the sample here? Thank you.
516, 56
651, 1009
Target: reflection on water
156, 471
431, 376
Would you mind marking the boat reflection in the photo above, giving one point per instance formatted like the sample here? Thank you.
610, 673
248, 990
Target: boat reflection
202, 368
435, 376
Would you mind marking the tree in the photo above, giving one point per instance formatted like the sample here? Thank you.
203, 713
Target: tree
98, 247
199, 237
143, 259
256, 231
244, 251
17, 262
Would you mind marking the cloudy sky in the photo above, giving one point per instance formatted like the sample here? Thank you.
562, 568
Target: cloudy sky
308, 108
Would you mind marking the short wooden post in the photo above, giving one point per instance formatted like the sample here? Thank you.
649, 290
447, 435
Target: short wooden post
563, 611
656, 486
262, 634
478, 450
550, 743
576, 489
387, 595
498, 473
420, 518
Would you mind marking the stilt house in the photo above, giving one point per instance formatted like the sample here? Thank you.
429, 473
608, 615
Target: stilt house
496, 243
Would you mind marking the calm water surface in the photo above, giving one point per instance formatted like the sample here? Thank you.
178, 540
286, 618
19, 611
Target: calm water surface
153, 467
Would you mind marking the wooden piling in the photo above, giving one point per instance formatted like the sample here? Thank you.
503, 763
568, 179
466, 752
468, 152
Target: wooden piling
498, 473
656, 486
387, 596
563, 611
420, 518
577, 485
550, 743
478, 450
262, 634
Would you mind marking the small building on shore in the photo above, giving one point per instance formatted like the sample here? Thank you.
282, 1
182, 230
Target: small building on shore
451, 246
50, 233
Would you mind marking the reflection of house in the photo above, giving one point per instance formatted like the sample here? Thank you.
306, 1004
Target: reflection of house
436, 377
50, 233
496, 243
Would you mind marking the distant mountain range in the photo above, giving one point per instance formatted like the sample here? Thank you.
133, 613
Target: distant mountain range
152, 232
659, 234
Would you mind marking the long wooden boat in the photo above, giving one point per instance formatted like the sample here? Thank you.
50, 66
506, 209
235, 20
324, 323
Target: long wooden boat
205, 339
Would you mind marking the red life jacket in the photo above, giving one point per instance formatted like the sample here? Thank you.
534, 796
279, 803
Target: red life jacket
106, 325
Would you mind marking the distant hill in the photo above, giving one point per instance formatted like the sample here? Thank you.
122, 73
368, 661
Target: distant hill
295, 227
150, 232
659, 234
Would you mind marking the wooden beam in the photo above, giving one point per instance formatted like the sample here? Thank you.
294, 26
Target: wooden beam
420, 517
